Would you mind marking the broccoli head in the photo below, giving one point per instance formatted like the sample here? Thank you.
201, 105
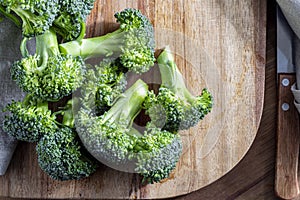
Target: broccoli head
159, 152
36, 16
48, 74
103, 84
106, 137
112, 139
175, 108
133, 43
60, 152
28, 120
71, 17
164, 109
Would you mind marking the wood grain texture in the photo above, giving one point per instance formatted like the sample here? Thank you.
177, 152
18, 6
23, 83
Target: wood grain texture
286, 180
217, 44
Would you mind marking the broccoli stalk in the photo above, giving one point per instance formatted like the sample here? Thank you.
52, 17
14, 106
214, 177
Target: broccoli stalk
127, 106
172, 78
47, 74
192, 108
29, 120
97, 46
46, 47
133, 43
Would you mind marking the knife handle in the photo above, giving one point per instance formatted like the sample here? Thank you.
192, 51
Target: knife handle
286, 177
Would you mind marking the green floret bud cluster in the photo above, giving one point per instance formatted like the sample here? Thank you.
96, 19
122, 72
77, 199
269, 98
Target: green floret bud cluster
138, 31
164, 109
60, 156
29, 120
103, 84
60, 152
61, 76
197, 111
72, 14
162, 151
107, 142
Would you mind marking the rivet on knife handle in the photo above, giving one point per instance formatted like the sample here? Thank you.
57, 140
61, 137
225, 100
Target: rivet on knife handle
286, 179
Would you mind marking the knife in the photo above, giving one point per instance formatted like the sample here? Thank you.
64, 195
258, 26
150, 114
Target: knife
287, 155
9, 51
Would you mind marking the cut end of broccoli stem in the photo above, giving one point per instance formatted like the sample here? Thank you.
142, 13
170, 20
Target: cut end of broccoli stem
165, 56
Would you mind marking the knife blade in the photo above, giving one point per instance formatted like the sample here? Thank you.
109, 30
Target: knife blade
9, 51
288, 140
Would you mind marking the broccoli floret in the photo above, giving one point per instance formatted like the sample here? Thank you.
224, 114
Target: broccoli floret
133, 43
103, 84
113, 140
106, 136
175, 108
164, 109
28, 120
70, 19
159, 151
60, 152
48, 74
37, 16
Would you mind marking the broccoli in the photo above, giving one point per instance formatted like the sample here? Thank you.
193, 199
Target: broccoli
113, 140
175, 108
29, 120
133, 43
103, 84
60, 153
157, 154
106, 136
69, 22
36, 16
48, 74
164, 109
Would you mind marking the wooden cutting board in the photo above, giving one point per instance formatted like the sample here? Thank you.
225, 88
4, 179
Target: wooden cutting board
219, 45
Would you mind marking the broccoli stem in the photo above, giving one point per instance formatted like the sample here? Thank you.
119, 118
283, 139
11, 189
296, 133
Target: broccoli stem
128, 105
42, 105
95, 47
171, 77
68, 118
46, 46
28, 100
10, 16
28, 18
68, 114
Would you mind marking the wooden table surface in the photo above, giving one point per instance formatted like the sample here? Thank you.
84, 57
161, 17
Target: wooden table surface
253, 177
